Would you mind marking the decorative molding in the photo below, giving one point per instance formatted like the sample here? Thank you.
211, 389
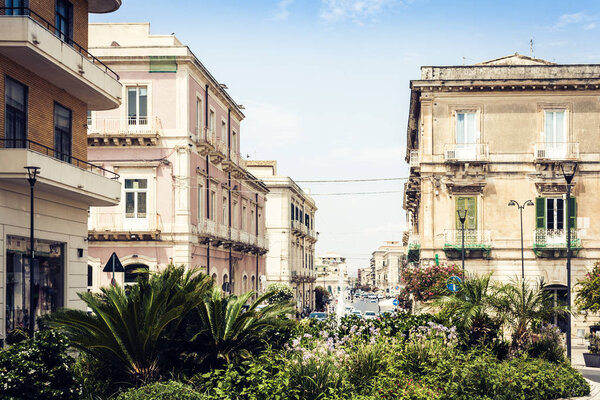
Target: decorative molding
548, 189
474, 188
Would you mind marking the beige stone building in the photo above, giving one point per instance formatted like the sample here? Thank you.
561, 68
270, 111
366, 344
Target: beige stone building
332, 273
482, 135
387, 263
290, 224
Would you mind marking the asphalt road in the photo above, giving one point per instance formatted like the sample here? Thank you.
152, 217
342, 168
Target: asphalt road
365, 305
591, 374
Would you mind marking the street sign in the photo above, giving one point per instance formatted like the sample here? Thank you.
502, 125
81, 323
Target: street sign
397, 287
113, 264
453, 284
396, 302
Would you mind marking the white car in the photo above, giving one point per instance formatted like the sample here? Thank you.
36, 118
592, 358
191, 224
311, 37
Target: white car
357, 313
370, 315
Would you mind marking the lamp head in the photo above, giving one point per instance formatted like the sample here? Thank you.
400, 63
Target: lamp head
32, 173
568, 170
512, 203
529, 203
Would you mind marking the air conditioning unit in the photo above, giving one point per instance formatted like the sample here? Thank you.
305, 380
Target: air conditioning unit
540, 153
450, 154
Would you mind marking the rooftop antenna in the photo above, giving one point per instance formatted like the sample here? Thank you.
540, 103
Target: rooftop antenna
531, 48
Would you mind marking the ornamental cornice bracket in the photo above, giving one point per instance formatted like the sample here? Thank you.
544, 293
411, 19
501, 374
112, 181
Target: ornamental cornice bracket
465, 188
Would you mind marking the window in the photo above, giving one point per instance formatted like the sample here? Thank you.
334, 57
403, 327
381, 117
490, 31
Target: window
244, 217
137, 105
233, 142
551, 213
200, 202
198, 116
64, 20
133, 271
469, 204
16, 114
62, 133
17, 7
252, 220
555, 136
466, 135
135, 198
223, 132
234, 218
90, 277
213, 204
212, 122
89, 118
293, 211
224, 215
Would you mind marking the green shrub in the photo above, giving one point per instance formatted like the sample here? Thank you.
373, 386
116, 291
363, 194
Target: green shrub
38, 368
171, 390
547, 344
364, 365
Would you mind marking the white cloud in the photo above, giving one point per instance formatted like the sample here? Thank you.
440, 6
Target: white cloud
579, 18
357, 11
282, 11
590, 26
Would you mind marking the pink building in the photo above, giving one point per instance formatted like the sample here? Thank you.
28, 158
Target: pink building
187, 197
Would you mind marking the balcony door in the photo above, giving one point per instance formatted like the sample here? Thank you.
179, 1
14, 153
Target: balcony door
555, 140
466, 136
136, 204
137, 107
551, 219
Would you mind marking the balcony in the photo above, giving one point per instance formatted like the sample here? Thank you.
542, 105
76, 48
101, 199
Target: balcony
466, 152
116, 226
221, 235
552, 243
30, 41
236, 165
413, 253
298, 228
73, 178
103, 6
414, 159
219, 153
205, 141
477, 243
567, 151
128, 131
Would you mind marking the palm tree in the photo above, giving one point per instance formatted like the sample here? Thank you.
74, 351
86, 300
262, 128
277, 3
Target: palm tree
128, 327
472, 309
524, 308
231, 329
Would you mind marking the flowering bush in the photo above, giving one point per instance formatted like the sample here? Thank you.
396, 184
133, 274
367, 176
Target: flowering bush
282, 293
426, 346
547, 344
588, 291
426, 283
38, 368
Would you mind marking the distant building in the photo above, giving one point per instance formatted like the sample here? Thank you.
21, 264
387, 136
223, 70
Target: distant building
48, 82
482, 135
187, 196
366, 277
291, 231
387, 265
332, 273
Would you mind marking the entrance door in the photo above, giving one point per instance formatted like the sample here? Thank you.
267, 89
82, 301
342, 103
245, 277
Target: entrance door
559, 298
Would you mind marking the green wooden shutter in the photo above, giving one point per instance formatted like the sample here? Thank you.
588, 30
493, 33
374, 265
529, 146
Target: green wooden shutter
540, 212
573, 212
469, 204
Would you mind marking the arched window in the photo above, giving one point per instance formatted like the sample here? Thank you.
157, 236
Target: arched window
253, 280
130, 272
245, 283
90, 276
215, 279
225, 282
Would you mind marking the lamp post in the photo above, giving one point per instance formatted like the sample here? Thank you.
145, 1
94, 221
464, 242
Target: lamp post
31, 178
462, 217
568, 170
521, 207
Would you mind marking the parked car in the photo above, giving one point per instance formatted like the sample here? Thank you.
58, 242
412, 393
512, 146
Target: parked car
374, 300
357, 313
319, 316
380, 296
370, 315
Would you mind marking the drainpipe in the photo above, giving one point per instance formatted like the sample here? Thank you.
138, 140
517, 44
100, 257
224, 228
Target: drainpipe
256, 217
229, 181
208, 205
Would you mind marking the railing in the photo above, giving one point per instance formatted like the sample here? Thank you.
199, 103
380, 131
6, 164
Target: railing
262, 242
204, 134
466, 152
414, 158
297, 226
118, 222
68, 158
27, 12
557, 151
238, 159
235, 234
555, 238
223, 231
414, 241
127, 125
473, 238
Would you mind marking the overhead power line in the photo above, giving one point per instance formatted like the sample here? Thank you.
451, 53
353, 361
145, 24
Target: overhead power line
353, 180
355, 193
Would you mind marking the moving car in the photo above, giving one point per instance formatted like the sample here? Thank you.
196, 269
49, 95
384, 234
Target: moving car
319, 316
370, 315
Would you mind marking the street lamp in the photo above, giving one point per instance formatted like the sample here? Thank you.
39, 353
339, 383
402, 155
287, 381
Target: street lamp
462, 217
521, 207
568, 170
31, 178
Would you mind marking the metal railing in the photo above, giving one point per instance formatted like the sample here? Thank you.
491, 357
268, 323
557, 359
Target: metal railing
27, 12
204, 134
117, 221
238, 159
466, 152
557, 151
65, 157
555, 238
414, 241
473, 237
127, 125
414, 158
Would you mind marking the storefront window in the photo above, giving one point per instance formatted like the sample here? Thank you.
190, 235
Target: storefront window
48, 277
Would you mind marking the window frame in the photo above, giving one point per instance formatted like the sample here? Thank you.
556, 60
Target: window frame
136, 191
60, 134
139, 120
67, 36
15, 111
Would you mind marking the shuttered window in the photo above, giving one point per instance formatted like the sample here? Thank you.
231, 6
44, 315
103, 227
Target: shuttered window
550, 213
469, 204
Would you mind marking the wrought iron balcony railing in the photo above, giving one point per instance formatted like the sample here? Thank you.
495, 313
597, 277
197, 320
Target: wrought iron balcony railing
128, 125
555, 238
414, 158
473, 238
557, 151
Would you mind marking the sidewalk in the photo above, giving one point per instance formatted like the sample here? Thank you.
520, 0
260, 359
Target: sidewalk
587, 372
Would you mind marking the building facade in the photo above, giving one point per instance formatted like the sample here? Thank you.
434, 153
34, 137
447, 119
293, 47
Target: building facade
332, 273
480, 136
187, 197
48, 82
290, 221
387, 261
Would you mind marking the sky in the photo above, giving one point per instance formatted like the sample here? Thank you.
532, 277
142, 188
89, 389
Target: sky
325, 83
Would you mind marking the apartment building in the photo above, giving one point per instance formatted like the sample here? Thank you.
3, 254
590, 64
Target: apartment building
387, 261
48, 82
482, 135
332, 273
187, 197
290, 222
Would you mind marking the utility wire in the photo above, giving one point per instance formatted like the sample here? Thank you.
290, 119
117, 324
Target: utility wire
353, 180
355, 193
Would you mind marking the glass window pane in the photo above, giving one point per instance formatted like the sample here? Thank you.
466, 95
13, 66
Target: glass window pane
143, 102
131, 103
128, 183
470, 122
141, 205
129, 205
549, 126
559, 136
560, 213
550, 213
460, 128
